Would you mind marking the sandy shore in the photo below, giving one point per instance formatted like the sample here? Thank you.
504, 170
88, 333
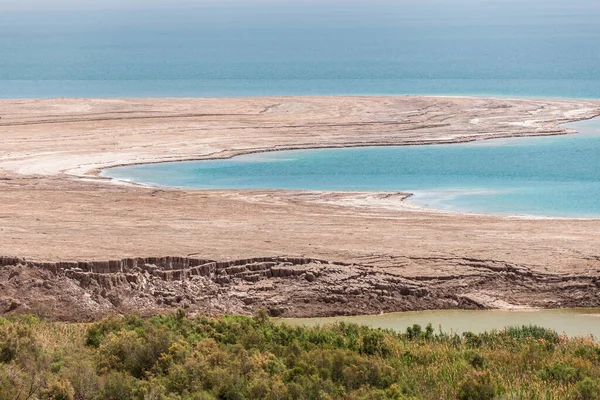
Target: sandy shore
54, 207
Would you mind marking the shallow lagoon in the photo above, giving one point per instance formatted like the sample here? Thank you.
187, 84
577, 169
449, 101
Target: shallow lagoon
542, 176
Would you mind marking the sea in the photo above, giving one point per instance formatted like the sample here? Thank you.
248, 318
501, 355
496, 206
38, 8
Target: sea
238, 48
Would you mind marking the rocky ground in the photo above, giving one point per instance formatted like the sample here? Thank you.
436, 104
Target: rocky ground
303, 253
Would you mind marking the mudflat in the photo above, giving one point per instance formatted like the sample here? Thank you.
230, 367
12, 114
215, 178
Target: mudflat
77, 246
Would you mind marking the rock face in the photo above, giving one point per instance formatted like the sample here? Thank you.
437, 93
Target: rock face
284, 286
128, 270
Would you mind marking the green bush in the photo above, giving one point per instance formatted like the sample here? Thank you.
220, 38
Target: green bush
587, 389
15, 338
119, 386
531, 332
59, 390
588, 351
561, 373
374, 343
82, 375
479, 386
96, 333
473, 340
475, 359
134, 351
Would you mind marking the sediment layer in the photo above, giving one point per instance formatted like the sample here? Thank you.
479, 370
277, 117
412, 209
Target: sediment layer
284, 286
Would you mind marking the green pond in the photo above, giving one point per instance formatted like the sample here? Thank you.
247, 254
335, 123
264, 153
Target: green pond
572, 322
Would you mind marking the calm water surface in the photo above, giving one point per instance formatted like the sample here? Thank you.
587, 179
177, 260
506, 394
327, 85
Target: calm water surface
574, 322
183, 48
543, 176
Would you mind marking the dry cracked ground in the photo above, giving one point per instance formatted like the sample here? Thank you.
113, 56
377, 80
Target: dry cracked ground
75, 246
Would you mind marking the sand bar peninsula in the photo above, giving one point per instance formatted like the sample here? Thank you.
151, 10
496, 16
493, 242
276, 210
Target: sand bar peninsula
77, 246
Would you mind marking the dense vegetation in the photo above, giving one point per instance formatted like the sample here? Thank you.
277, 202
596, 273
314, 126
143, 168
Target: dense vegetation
175, 357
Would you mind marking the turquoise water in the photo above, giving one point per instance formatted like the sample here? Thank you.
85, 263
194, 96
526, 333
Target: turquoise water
545, 176
529, 48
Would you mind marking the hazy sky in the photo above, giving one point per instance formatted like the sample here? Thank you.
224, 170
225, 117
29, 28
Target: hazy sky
31, 5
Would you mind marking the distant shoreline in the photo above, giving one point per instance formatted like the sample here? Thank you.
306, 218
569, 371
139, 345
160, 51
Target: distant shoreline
234, 88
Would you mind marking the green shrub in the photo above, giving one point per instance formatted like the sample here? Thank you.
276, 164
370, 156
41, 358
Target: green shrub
414, 332
530, 332
479, 386
473, 340
561, 373
96, 333
134, 352
475, 359
588, 351
15, 338
119, 386
374, 343
56, 366
587, 389
59, 390
82, 375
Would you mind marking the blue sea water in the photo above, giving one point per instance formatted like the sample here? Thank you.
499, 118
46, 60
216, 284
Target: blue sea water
179, 48
544, 176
